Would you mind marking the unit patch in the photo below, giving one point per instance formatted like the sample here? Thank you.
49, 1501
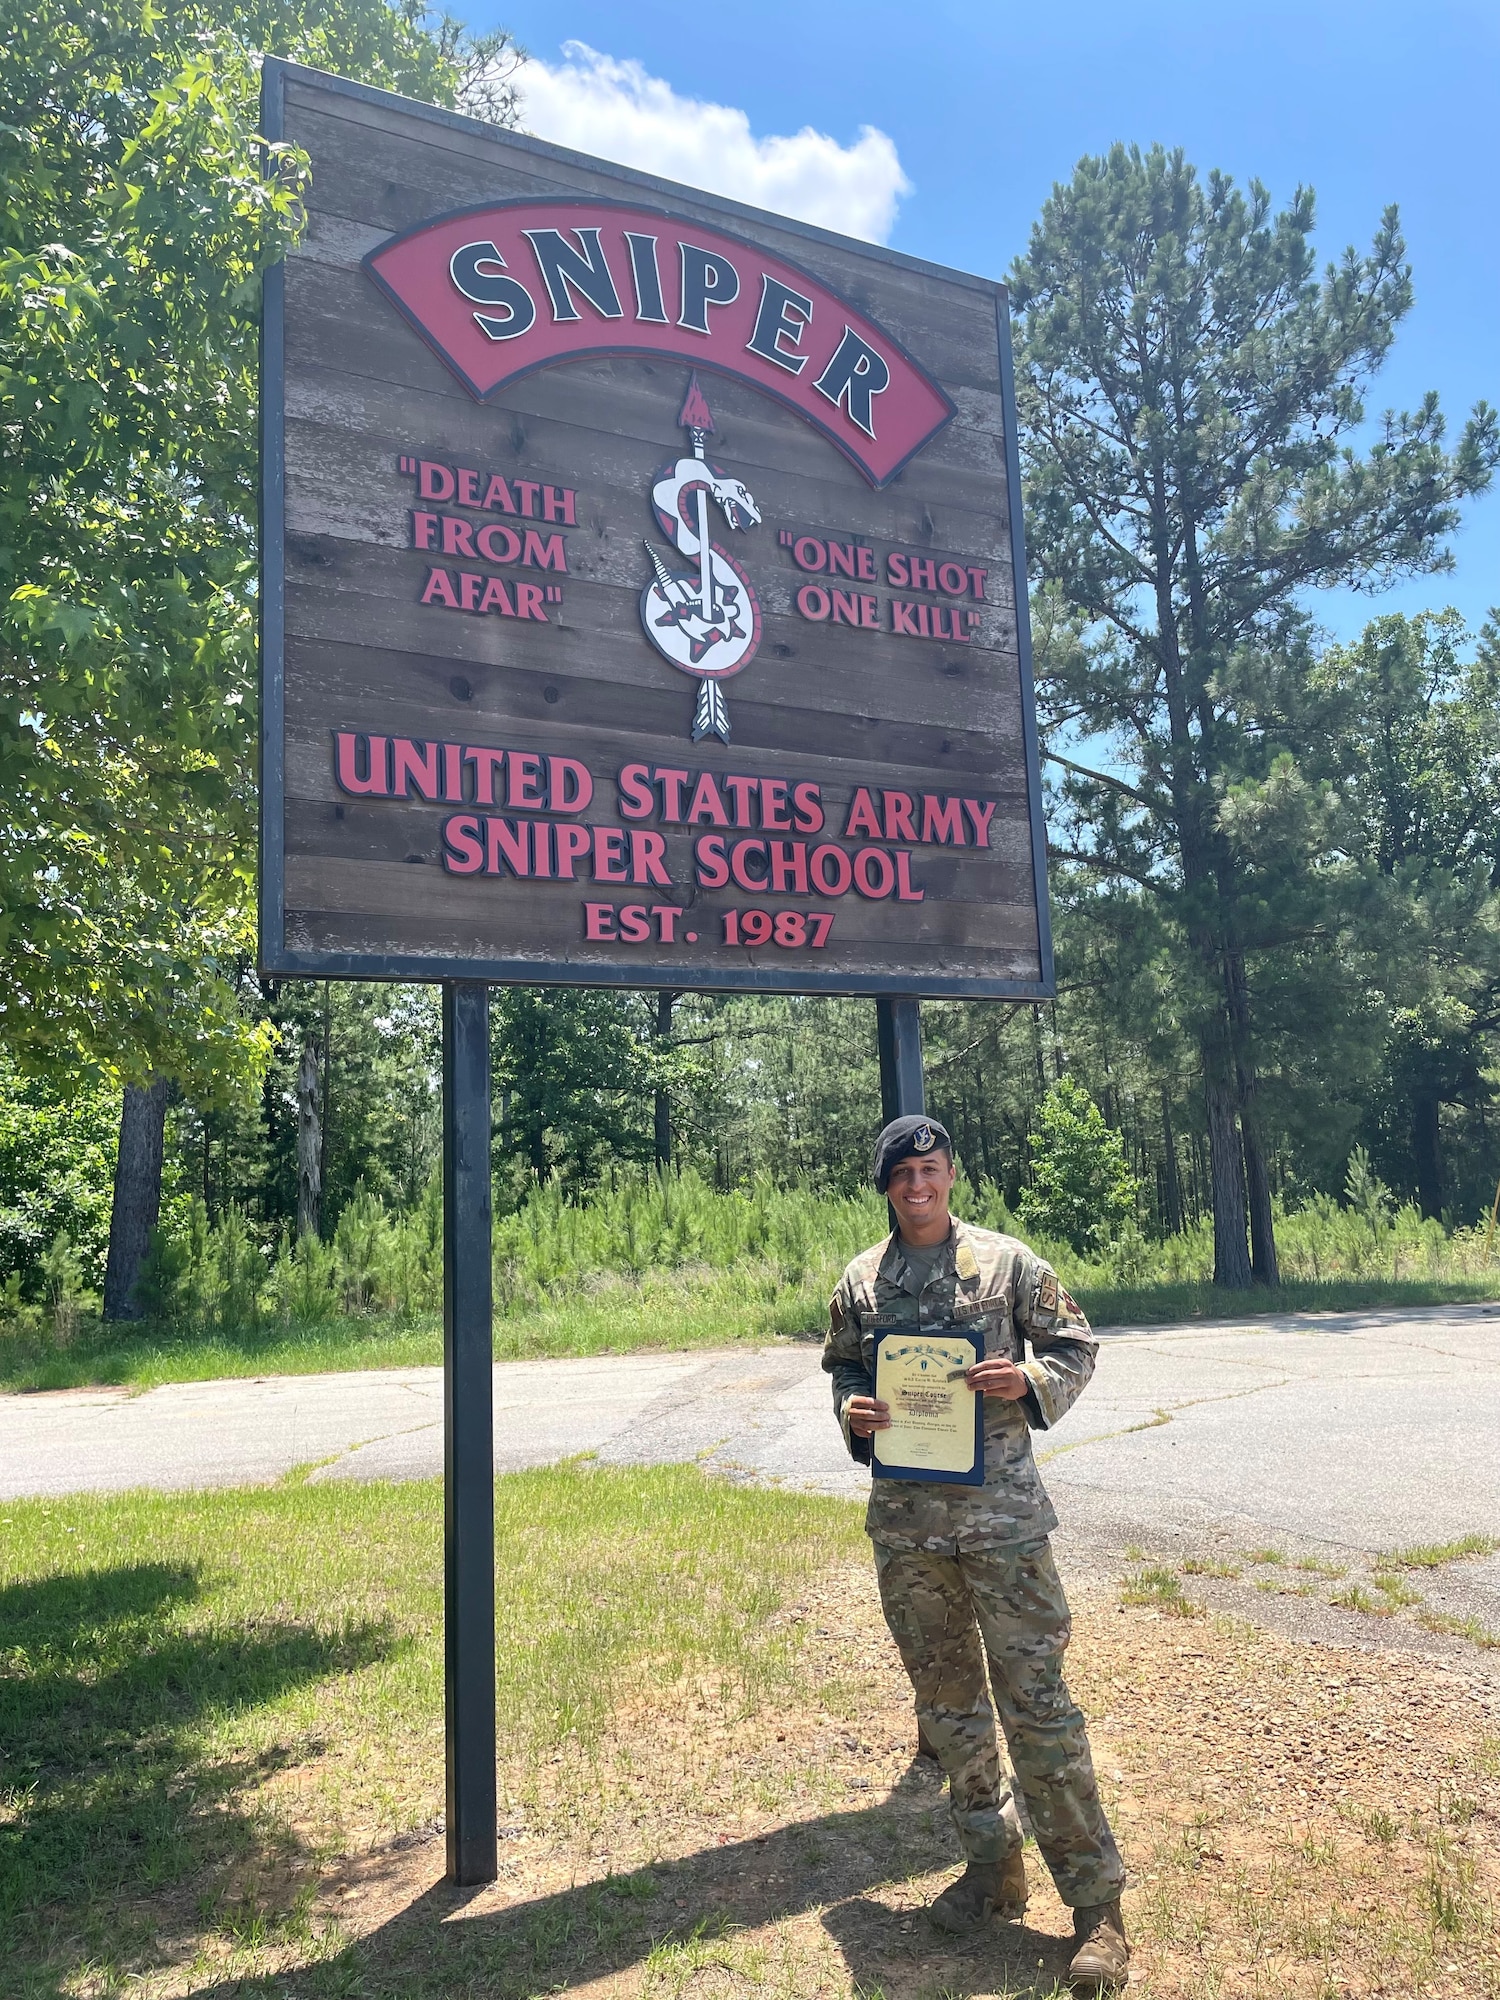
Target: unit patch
1046, 1292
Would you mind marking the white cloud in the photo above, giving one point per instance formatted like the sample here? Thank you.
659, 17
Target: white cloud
596, 104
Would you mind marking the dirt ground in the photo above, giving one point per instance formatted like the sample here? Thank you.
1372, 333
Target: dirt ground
1298, 1820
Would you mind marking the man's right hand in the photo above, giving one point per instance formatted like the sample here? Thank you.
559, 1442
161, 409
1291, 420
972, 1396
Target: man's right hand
867, 1414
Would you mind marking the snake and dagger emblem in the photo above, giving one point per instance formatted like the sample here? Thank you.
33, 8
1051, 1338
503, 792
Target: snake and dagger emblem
708, 622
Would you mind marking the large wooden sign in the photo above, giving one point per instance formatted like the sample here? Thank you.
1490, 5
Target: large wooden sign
644, 594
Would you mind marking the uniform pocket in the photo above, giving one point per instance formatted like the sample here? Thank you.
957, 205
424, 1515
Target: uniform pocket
989, 1322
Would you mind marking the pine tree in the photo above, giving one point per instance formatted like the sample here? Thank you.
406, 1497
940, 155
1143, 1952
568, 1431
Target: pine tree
1191, 400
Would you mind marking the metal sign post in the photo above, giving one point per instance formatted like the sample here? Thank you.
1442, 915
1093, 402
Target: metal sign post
898, 1027
468, 1436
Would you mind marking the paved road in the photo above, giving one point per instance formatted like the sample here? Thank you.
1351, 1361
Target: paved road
1363, 1430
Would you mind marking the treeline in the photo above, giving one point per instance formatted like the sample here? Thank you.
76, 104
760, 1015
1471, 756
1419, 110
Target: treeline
1275, 860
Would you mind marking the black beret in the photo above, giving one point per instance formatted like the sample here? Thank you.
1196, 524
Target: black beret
903, 1136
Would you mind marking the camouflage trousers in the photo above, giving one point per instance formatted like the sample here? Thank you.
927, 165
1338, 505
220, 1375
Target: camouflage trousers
946, 1614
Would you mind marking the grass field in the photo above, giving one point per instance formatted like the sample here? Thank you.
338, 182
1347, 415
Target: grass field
203, 1698
221, 1722
665, 1310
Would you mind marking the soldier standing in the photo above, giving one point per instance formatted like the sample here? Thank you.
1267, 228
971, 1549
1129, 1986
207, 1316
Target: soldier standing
966, 1572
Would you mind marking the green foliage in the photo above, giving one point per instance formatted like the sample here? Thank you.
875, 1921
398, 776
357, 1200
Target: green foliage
239, 1273
638, 1223
1416, 758
171, 1661
162, 1284
138, 210
647, 1261
137, 220
63, 1288
797, 1089
1081, 1188
57, 1148
1192, 411
566, 1066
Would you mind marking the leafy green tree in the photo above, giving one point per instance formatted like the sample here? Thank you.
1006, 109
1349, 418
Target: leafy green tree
1192, 403
1417, 759
574, 1082
798, 1090
1081, 1188
57, 1147
138, 210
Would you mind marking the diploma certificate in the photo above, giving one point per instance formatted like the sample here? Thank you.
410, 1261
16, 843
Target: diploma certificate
937, 1421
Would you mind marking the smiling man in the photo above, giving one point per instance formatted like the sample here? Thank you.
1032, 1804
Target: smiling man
966, 1572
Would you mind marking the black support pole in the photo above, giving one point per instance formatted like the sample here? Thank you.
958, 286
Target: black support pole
468, 1436
898, 1023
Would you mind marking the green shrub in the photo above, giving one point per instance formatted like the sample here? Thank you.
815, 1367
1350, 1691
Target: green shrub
65, 1292
1081, 1188
162, 1286
762, 1252
303, 1286
241, 1271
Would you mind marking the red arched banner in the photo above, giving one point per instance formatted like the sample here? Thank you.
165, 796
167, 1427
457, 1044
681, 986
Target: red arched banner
503, 290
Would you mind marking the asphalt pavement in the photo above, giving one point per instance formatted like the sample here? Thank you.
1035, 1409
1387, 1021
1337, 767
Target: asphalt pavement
1340, 1435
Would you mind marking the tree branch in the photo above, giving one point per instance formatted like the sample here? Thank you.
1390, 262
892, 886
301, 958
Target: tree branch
1103, 778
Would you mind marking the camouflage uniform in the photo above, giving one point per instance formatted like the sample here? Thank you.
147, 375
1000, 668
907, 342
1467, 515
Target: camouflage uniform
966, 1571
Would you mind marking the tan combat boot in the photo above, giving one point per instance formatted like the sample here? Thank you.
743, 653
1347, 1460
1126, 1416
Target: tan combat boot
985, 1889
1101, 1963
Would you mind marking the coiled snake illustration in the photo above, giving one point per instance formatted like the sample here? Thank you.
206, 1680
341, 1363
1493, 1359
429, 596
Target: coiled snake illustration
708, 623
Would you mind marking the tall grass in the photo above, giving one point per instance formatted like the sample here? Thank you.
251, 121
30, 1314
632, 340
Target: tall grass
647, 1260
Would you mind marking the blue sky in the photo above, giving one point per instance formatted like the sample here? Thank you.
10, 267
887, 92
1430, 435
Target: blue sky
986, 106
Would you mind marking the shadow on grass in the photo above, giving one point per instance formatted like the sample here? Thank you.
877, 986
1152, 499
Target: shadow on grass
106, 1797
676, 1920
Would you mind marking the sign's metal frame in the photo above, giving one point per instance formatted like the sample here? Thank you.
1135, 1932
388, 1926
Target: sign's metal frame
282, 962
469, 1539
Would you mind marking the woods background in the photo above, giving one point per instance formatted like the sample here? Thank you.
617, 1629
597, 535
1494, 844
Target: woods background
1276, 859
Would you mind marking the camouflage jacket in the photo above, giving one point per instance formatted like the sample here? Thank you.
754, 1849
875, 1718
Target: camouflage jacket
1004, 1295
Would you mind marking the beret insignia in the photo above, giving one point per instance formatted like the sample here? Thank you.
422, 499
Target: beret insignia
1046, 1292
914, 1134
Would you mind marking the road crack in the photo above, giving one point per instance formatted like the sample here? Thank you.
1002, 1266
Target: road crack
1159, 1417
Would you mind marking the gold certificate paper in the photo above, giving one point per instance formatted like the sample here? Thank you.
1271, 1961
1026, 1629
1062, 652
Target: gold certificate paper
936, 1419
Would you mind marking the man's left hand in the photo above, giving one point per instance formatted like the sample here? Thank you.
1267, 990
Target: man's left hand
998, 1377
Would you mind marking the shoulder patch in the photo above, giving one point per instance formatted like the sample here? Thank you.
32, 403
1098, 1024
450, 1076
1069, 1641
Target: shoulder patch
836, 1314
1046, 1292
1070, 1304
965, 1262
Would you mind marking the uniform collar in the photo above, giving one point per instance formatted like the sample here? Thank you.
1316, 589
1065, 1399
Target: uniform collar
897, 1271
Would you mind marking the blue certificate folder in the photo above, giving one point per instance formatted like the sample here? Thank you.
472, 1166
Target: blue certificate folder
937, 1349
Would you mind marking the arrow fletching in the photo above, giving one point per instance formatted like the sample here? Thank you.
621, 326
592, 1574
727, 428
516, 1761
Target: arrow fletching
711, 717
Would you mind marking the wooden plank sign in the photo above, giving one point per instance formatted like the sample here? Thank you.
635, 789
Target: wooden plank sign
643, 589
